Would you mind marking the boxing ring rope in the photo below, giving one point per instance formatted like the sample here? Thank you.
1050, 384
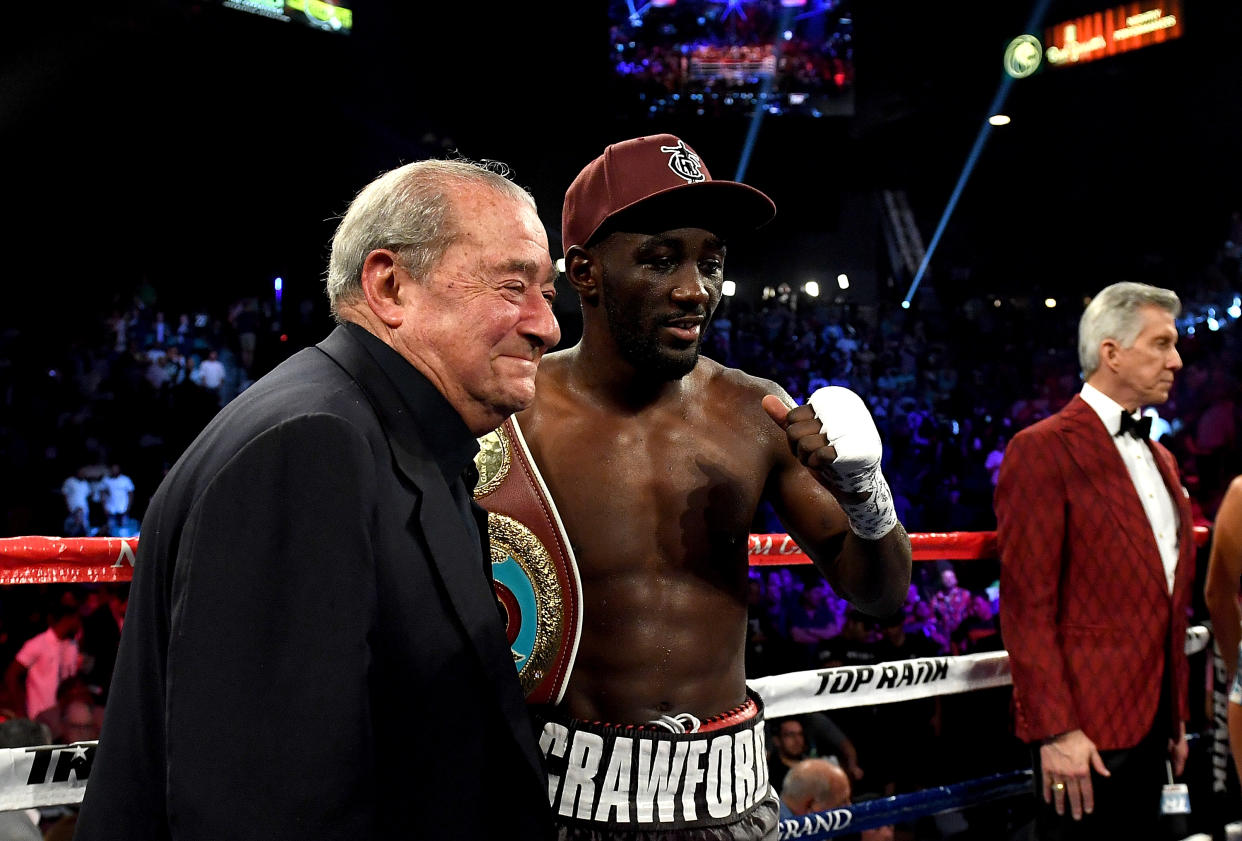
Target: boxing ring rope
92, 560
900, 808
56, 775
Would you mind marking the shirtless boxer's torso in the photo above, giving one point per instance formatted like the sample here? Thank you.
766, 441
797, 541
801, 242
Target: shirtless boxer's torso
657, 501
657, 474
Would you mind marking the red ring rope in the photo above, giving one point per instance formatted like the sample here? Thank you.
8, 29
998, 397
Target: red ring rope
81, 560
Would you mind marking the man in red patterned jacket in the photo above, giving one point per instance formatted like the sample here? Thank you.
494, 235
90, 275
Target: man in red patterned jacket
1096, 568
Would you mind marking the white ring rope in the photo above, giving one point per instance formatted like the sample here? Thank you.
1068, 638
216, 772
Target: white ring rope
56, 775
796, 693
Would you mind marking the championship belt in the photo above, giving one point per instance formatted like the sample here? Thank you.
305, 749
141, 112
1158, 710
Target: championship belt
534, 571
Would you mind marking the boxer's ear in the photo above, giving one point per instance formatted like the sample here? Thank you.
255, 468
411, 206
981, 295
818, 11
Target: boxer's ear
583, 272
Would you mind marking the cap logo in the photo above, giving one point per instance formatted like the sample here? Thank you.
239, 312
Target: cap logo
684, 162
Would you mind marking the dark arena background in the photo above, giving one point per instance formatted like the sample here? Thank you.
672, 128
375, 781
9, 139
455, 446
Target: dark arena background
173, 173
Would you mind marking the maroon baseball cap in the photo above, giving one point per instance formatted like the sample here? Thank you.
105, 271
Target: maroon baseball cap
657, 182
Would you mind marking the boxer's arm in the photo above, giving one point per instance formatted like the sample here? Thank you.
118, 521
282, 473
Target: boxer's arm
840, 512
1224, 569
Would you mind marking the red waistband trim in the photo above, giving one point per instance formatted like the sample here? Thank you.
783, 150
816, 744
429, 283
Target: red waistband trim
737, 715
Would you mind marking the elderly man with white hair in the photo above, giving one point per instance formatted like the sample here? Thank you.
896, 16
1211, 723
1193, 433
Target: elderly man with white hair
1097, 562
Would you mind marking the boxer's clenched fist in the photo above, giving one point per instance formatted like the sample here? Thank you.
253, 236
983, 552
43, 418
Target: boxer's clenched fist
834, 435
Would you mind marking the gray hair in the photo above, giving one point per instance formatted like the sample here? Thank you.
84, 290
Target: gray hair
409, 210
1116, 313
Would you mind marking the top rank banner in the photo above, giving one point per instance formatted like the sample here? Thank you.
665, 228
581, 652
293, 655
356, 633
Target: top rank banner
798, 693
1117, 30
48, 775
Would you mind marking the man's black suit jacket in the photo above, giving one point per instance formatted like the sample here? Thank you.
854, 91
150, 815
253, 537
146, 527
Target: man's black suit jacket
312, 648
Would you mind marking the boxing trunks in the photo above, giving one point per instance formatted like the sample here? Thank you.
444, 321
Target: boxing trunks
642, 782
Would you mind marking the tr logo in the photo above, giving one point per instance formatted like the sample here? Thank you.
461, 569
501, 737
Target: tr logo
76, 758
684, 162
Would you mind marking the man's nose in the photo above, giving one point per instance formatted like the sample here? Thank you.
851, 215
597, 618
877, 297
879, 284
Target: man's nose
539, 324
690, 289
1175, 360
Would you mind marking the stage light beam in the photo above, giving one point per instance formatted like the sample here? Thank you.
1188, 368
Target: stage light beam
998, 103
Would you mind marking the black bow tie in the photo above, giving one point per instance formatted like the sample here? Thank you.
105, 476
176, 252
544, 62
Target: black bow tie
1140, 429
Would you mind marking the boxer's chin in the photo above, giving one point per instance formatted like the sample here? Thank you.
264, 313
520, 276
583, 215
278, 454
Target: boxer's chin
660, 362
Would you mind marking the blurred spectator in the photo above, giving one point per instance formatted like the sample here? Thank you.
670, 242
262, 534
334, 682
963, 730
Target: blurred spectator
185, 333
211, 372
45, 660
76, 491
160, 334
896, 643
825, 739
814, 623
817, 785
925, 623
978, 631
77, 715
855, 645
789, 748
116, 493
174, 367
154, 369
952, 601
813, 785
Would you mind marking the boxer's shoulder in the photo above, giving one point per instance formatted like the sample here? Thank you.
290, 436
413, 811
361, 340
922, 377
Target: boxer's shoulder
732, 384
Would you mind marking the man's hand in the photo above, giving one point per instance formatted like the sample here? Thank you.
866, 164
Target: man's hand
806, 437
1067, 761
1178, 749
835, 437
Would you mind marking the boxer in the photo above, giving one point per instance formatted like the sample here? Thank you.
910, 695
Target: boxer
657, 460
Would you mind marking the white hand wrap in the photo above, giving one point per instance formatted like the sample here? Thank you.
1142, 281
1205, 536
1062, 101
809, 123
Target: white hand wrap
847, 424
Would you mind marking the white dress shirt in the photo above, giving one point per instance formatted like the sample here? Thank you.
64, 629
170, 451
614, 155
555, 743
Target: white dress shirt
1148, 483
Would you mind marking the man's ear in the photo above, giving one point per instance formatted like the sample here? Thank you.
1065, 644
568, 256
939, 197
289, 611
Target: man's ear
381, 286
1109, 350
582, 270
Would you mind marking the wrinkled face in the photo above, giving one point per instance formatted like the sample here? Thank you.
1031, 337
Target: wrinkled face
658, 292
790, 740
481, 319
1146, 368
